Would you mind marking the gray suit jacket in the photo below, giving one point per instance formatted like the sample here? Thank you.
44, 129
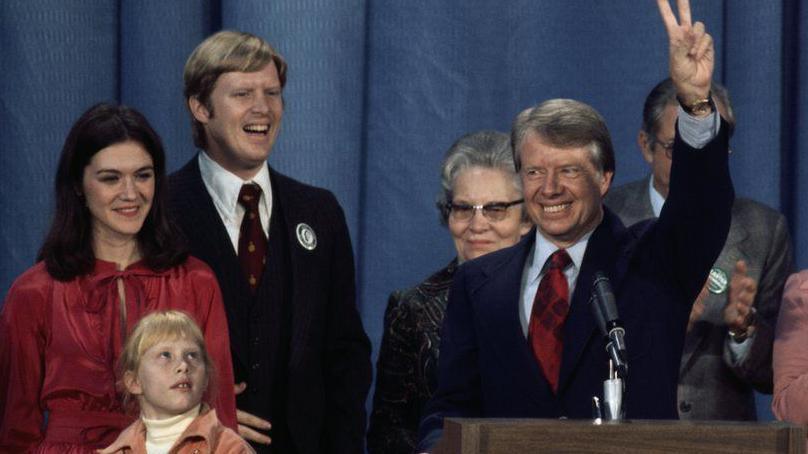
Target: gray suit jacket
711, 384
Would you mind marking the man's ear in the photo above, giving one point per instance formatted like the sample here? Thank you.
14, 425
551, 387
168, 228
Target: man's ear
646, 146
198, 110
605, 183
131, 383
524, 227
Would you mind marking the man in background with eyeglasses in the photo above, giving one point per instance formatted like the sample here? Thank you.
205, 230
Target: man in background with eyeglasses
728, 346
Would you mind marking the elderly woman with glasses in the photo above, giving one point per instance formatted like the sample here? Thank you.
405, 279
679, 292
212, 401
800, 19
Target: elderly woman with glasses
481, 203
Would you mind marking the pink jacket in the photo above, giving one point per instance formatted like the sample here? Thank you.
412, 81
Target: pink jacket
790, 401
204, 435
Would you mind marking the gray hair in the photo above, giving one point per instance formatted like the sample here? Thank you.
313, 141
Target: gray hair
566, 123
664, 94
486, 149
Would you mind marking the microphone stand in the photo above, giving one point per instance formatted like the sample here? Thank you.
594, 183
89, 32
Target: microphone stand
604, 309
613, 389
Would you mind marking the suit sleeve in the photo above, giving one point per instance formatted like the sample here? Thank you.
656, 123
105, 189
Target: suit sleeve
756, 365
458, 392
348, 371
790, 401
393, 419
22, 350
695, 219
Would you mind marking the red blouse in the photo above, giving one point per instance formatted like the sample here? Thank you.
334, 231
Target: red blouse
59, 343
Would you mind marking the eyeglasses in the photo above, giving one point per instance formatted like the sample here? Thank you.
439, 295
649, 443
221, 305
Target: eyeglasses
667, 147
494, 212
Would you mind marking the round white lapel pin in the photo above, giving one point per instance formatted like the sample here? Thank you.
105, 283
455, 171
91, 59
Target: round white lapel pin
306, 236
718, 281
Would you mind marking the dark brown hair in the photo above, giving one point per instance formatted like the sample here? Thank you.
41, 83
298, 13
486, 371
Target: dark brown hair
68, 247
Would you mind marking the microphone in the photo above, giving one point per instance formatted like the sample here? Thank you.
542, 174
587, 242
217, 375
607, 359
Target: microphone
604, 308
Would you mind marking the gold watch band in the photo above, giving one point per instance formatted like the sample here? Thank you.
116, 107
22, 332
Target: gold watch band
699, 107
740, 336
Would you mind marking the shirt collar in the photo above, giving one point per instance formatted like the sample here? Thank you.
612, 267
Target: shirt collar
225, 186
543, 249
657, 201
167, 431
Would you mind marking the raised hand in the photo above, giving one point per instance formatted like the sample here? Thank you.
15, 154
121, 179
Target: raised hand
692, 56
741, 295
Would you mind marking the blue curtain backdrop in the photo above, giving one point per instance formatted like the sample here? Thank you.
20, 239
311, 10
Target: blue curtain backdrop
377, 91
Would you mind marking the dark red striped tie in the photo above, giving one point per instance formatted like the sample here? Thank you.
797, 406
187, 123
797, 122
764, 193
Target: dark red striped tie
252, 241
550, 308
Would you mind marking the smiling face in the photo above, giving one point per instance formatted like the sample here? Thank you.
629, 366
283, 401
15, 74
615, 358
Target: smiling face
170, 380
479, 235
118, 186
242, 119
562, 188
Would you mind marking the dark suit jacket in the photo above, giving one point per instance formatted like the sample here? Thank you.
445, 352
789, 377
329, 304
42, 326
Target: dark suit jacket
712, 385
486, 366
329, 370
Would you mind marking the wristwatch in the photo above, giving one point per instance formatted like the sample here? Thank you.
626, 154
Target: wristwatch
699, 107
741, 336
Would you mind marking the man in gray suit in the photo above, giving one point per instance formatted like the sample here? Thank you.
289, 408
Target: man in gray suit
728, 347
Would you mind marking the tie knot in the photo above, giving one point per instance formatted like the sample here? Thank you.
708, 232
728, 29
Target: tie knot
249, 196
559, 259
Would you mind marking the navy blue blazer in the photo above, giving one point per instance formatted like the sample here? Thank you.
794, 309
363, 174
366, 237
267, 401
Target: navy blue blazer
486, 367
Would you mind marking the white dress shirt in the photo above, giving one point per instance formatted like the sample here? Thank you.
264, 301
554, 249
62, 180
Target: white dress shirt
533, 272
224, 187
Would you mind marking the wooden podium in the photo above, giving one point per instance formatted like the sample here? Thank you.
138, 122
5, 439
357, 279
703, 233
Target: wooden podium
515, 436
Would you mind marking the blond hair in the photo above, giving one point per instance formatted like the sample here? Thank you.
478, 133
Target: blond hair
222, 52
156, 327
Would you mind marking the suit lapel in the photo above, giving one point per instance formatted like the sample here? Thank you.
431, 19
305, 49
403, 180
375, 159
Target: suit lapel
636, 204
499, 308
296, 211
200, 219
737, 234
644, 208
601, 255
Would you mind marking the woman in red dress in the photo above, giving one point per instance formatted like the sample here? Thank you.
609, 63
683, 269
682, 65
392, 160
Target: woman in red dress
111, 256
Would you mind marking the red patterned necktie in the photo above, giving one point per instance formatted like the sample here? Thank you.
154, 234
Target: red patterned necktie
550, 308
252, 241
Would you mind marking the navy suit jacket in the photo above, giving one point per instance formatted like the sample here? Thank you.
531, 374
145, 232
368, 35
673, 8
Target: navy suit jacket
329, 369
657, 268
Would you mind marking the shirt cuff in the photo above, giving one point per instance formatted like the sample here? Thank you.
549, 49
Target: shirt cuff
739, 350
698, 131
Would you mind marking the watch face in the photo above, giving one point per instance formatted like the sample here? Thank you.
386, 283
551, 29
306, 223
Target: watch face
738, 337
702, 107
698, 107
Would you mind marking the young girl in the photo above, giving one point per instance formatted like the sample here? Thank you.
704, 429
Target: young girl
165, 366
